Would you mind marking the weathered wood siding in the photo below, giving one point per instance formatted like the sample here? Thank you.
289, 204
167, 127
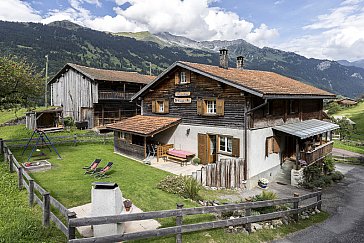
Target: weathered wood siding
73, 91
124, 146
200, 87
279, 112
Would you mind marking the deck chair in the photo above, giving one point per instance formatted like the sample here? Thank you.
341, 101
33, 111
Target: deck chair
92, 167
102, 173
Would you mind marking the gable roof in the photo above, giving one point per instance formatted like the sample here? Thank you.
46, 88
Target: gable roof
144, 125
97, 74
260, 83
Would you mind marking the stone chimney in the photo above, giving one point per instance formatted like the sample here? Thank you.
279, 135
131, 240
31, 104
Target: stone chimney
224, 58
240, 62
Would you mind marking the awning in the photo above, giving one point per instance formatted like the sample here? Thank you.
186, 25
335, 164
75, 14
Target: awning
145, 125
306, 129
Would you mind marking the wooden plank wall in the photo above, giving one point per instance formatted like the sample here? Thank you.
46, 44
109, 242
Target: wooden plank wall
227, 173
74, 91
200, 87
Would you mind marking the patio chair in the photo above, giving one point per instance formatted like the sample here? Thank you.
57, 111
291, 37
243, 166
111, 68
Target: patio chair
102, 173
92, 167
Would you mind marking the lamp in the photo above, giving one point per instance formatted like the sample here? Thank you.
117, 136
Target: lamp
188, 131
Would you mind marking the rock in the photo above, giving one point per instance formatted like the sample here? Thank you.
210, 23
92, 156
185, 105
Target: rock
207, 235
271, 227
256, 226
313, 213
317, 211
253, 230
285, 221
266, 226
277, 222
231, 227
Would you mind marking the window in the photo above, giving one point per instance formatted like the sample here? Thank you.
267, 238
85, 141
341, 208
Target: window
211, 106
182, 78
271, 146
293, 106
226, 144
160, 106
122, 135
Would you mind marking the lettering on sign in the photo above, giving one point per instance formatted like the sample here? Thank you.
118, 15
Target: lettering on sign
182, 100
181, 94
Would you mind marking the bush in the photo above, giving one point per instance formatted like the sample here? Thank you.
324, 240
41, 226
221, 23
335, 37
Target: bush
337, 176
196, 161
329, 165
185, 186
264, 196
68, 121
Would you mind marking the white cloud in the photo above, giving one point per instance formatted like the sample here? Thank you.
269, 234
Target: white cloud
16, 10
338, 34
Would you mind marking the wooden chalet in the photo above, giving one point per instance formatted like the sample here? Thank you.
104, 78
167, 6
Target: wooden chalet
98, 96
224, 113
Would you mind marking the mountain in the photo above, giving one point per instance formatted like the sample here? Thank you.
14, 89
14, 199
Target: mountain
64, 42
358, 63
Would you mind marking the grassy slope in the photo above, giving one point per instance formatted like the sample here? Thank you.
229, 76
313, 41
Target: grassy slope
356, 114
19, 222
138, 182
8, 115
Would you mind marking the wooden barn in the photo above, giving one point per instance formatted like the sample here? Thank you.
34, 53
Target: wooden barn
98, 96
50, 118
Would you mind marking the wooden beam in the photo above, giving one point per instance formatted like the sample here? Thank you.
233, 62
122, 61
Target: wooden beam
297, 153
145, 147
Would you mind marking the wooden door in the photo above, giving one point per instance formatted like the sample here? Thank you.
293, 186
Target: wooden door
202, 140
87, 115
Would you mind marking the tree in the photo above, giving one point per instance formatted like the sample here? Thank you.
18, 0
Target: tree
345, 129
20, 84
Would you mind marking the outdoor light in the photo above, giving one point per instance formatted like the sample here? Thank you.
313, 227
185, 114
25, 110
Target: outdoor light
188, 131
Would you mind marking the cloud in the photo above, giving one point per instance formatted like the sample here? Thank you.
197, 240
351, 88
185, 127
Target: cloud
339, 34
16, 10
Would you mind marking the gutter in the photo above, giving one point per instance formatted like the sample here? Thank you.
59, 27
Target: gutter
246, 136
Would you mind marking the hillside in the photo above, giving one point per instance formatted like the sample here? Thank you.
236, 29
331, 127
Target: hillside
67, 42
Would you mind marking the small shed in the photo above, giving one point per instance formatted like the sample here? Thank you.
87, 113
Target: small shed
51, 118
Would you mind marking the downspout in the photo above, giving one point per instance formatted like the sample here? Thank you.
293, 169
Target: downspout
246, 135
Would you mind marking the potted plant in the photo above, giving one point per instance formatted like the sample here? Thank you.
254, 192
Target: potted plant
263, 183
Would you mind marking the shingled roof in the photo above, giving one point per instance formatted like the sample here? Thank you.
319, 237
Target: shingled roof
146, 125
106, 75
261, 83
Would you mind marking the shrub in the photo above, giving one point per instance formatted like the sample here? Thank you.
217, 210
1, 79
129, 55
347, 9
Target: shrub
185, 186
68, 121
337, 176
264, 196
329, 164
196, 161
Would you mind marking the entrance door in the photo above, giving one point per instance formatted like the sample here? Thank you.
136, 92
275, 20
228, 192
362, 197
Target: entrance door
207, 148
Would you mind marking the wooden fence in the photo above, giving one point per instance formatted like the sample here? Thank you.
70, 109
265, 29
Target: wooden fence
44, 200
226, 173
180, 212
58, 140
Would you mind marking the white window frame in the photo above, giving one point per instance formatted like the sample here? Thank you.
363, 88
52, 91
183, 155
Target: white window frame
160, 106
227, 142
182, 78
210, 106
122, 135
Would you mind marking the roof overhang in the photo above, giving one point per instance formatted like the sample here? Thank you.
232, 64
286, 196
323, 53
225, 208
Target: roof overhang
65, 68
306, 129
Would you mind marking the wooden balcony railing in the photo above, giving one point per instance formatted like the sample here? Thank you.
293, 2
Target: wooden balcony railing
318, 153
115, 95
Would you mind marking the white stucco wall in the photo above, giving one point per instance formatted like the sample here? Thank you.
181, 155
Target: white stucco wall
178, 136
257, 161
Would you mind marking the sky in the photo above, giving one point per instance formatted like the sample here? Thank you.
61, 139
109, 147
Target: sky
325, 29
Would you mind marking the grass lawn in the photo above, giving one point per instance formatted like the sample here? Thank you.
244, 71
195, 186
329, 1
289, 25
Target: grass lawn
356, 114
349, 147
137, 181
19, 222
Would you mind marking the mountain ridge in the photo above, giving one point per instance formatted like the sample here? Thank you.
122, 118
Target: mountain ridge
69, 42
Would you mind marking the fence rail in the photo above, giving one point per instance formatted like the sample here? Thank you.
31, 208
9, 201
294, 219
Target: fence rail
180, 212
33, 188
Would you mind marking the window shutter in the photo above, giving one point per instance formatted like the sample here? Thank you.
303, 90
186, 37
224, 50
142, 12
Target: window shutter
166, 106
199, 107
275, 142
220, 107
154, 106
176, 78
188, 77
236, 147
202, 148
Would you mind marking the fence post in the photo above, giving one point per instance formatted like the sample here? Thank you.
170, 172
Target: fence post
295, 206
31, 192
248, 212
10, 158
319, 202
20, 178
74, 139
71, 230
5, 152
46, 210
179, 223
1, 146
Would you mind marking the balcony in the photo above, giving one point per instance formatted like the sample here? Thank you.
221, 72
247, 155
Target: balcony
115, 95
318, 153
